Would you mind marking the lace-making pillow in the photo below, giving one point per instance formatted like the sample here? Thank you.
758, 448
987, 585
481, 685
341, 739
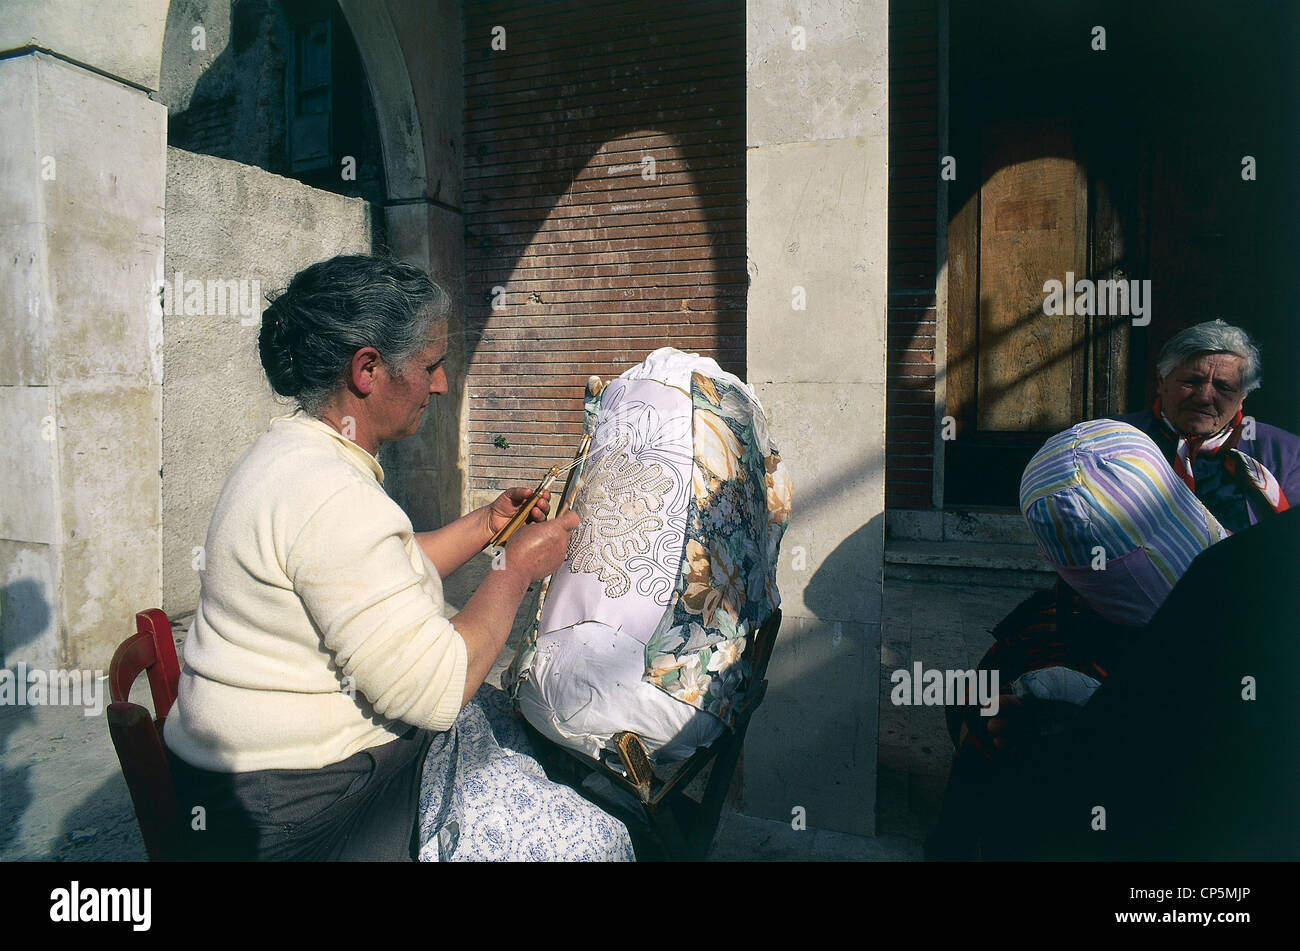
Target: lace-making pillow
644, 627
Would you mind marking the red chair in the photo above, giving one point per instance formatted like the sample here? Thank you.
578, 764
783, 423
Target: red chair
137, 736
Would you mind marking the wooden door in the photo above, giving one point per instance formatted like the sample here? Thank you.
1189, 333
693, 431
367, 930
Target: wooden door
1033, 217
1016, 375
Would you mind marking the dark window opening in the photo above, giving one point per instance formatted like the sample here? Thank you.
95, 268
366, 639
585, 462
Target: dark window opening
287, 93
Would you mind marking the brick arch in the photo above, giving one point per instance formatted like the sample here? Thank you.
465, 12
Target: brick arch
599, 266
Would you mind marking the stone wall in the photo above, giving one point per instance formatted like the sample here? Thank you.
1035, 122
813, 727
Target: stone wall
111, 473
232, 223
414, 64
81, 202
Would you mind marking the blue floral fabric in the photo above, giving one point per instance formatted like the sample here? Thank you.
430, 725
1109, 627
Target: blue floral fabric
727, 587
484, 798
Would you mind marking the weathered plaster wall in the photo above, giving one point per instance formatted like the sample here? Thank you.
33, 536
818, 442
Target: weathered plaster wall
82, 514
122, 38
817, 166
182, 66
228, 222
81, 214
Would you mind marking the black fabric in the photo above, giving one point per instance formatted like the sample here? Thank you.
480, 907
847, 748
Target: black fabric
362, 809
1220, 493
1051, 628
1184, 766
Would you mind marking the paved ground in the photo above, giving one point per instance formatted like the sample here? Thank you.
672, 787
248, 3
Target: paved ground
945, 628
62, 796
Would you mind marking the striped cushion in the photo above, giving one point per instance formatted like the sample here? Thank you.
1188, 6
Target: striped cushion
1105, 484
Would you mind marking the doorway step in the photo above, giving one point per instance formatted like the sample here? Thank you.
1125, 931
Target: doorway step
988, 547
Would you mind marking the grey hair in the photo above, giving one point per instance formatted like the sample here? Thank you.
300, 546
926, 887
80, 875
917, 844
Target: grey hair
334, 308
1212, 336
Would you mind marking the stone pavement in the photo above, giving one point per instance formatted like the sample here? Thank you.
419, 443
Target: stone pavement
62, 796
944, 627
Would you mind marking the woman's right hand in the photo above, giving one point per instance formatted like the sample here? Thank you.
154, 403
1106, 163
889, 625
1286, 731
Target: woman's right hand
534, 552
538, 548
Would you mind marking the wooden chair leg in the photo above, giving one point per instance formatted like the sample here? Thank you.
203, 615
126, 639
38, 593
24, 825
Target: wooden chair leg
715, 794
674, 832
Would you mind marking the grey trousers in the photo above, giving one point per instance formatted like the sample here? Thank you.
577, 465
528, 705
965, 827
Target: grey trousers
362, 809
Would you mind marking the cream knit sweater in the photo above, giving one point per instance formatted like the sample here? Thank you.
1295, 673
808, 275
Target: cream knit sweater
320, 629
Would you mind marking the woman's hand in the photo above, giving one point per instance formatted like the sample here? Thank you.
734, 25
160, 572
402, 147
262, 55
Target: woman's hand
454, 544
1003, 737
510, 502
538, 549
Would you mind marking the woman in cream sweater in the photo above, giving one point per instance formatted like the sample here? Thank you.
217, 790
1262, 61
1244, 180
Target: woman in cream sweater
322, 663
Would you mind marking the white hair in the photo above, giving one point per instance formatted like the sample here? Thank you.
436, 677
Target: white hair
1212, 336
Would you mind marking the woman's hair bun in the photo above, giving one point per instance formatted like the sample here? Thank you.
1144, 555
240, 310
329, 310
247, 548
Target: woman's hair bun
275, 347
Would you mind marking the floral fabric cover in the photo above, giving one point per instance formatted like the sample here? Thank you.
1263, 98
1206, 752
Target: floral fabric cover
485, 798
716, 538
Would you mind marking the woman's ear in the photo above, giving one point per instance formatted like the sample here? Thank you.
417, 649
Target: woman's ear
361, 372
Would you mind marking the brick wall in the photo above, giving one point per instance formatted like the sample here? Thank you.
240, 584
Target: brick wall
592, 256
913, 178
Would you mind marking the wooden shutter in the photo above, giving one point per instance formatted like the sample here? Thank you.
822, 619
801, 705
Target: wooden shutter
596, 256
309, 97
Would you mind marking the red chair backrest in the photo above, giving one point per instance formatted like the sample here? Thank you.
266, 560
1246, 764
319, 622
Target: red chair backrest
150, 649
137, 737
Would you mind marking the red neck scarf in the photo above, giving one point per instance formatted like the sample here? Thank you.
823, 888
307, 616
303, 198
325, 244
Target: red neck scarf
1249, 473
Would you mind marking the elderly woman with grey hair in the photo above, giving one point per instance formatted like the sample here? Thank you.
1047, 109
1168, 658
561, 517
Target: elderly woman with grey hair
1240, 473
323, 665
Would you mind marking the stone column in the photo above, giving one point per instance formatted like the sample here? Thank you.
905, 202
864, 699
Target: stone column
817, 167
81, 207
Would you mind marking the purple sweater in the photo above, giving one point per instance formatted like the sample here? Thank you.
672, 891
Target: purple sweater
1276, 449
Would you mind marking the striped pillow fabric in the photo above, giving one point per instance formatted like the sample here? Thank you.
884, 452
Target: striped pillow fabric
1104, 485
